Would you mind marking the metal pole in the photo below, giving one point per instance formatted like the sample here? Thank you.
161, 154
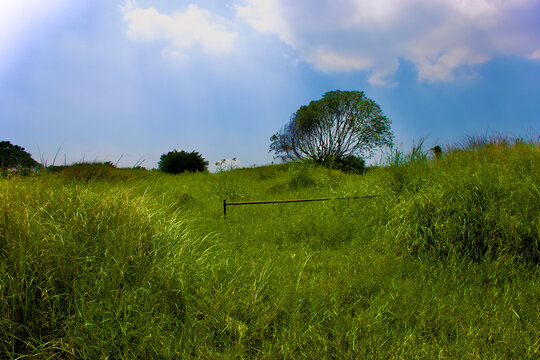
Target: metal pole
225, 203
299, 200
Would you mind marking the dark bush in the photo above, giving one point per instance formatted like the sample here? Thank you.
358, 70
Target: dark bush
346, 163
351, 163
176, 162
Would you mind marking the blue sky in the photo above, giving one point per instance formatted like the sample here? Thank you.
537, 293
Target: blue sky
106, 80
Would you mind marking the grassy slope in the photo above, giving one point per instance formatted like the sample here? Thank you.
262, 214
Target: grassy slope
444, 265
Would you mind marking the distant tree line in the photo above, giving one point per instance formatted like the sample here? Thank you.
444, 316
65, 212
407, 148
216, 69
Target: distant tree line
14, 158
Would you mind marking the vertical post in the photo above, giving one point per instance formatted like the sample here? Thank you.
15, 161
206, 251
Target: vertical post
224, 209
437, 151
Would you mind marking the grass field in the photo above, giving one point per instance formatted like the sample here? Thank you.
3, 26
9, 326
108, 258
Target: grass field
98, 262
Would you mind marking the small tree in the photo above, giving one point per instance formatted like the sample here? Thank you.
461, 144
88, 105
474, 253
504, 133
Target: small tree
14, 157
176, 162
337, 129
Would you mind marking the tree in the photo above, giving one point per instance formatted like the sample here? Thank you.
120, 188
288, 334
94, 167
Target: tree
333, 130
176, 162
14, 157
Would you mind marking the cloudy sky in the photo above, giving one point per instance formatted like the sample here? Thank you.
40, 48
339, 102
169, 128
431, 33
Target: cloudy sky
106, 80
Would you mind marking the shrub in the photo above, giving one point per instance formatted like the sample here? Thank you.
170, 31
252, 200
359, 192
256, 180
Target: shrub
346, 163
176, 162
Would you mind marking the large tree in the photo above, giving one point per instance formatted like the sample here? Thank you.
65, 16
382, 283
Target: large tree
15, 157
341, 125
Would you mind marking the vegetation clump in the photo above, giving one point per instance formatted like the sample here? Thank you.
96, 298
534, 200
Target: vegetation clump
176, 162
347, 163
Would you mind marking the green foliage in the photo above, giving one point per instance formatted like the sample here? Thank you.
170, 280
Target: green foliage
175, 162
334, 131
14, 157
347, 163
148, 268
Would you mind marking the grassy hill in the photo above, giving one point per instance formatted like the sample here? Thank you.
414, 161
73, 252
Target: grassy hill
98, 262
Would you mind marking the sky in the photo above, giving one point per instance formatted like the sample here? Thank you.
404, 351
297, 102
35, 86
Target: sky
127, 81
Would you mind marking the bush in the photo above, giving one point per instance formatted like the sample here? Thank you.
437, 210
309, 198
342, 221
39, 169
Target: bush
176, 162
346, 163
351, 163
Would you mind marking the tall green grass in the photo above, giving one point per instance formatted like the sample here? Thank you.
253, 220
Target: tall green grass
479, 201
142, 265
89, 267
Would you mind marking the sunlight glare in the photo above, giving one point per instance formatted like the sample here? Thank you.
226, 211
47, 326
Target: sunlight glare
21, 20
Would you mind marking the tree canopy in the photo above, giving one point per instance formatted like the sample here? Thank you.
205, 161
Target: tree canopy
176, 162
15, 157
341, 125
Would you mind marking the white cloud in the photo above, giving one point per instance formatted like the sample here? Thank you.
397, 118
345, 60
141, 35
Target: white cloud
438, 36
182, 30
267, 16
442, 68
375, 12
329, 61
535, 55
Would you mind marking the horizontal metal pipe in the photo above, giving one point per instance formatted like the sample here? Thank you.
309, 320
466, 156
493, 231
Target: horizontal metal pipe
299, 200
